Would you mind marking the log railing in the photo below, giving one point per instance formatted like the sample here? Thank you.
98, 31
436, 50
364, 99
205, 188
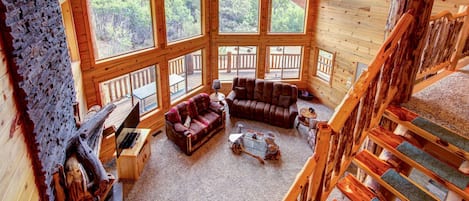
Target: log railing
361, 109
121, 87
441, 42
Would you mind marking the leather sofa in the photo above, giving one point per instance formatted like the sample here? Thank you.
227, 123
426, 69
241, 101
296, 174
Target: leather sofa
266, 101
191, 123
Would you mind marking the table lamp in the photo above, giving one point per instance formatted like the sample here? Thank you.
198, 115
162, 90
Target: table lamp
216, 85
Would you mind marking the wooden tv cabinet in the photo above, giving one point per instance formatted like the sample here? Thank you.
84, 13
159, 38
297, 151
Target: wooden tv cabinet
131, 161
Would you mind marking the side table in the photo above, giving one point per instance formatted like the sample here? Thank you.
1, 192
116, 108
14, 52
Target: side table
306, 118
218, 97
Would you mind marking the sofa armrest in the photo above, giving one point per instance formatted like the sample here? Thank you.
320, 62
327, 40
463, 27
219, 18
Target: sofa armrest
293, 109
230, 98
216, 107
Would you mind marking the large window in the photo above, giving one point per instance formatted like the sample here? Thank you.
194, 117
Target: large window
238, 16
236, 61
284, 62
183, 19
185, 74
120, 26
288, 16
127, 90
325, 64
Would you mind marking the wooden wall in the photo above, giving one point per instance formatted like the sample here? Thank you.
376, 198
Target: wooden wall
16, 169
353, 30
451, 5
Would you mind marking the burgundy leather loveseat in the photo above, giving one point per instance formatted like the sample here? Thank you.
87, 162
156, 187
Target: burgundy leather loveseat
204, 119
266, 101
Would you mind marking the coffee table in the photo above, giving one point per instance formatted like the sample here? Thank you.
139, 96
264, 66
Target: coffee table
259, 145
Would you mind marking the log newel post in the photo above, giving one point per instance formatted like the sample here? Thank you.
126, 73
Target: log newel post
461, 41
421, 11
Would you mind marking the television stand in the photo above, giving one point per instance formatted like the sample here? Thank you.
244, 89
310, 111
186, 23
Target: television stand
131, 161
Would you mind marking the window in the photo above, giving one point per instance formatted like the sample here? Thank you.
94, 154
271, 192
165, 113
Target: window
236, 61
288, 16
325, 64
125, 91
284, 62
361, 67
183, 19
120, 26
185, 74
238, 16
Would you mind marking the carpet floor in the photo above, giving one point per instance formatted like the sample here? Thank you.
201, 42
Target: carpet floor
214, 172
445, 102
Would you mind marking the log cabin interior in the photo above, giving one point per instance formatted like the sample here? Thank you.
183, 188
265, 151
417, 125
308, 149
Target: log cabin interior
55, 69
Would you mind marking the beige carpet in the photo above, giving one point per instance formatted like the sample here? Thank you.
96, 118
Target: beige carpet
446, 102
214, 173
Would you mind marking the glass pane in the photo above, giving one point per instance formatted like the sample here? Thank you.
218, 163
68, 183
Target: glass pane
288, 16
238, 16
324, 65
236, 61
284, 62
185, 74
183, 19
141, 84
144, 89
120, 26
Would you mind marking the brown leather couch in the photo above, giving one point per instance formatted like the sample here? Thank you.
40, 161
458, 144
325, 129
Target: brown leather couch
204, 119
266, 101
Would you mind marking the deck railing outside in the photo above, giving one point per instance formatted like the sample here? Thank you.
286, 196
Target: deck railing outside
442, 47
361, 109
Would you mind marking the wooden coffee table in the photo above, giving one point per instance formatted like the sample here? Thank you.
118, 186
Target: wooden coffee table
259, 145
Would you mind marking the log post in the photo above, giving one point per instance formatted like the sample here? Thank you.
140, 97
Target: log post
461, 42
228, 62
414, 48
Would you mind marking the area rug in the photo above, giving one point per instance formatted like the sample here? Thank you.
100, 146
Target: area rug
214, 173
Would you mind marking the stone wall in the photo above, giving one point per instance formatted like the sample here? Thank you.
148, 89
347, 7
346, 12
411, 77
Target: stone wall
38, 59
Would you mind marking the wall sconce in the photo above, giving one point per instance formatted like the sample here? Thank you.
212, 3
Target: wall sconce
216, 85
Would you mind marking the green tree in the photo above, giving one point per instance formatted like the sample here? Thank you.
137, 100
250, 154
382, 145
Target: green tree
183, 19
287, 17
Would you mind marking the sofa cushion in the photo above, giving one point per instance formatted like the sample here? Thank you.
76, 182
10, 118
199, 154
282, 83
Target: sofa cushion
240, 93
197, 130
284, 101
209, 119
173, 115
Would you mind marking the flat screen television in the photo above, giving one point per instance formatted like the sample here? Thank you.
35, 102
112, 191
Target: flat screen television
131, 121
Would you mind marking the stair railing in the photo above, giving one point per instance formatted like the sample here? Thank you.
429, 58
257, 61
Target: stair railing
441, 50
361, 109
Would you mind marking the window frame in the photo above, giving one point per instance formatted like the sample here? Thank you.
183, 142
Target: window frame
332, 65
300, 62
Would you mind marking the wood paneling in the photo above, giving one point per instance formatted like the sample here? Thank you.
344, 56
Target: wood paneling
354, 30
16, 171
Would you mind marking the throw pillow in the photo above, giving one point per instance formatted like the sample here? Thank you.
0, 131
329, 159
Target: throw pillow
240, 92
284, 101
187, 123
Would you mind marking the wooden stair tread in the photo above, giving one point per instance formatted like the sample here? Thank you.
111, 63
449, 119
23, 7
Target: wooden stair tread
386, 176
443, 137
354, 190
429, 165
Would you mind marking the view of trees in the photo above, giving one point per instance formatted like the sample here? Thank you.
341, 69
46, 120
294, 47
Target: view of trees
287, 17
122, 26
183, 19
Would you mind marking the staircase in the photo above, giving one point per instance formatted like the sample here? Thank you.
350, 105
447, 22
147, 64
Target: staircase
430, 149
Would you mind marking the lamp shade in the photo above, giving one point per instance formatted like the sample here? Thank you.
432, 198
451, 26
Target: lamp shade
216, 84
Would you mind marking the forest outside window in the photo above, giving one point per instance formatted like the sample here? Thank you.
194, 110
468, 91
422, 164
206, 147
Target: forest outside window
325, 64
288, 16
127, 90
236, 61
120, 26
238, 16
185, 74
284, 62
183, 19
